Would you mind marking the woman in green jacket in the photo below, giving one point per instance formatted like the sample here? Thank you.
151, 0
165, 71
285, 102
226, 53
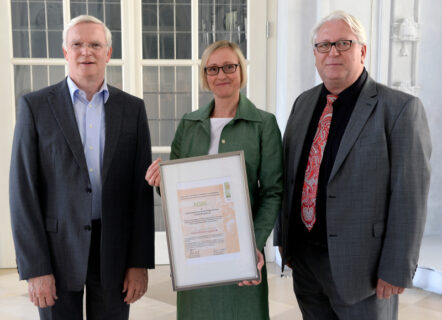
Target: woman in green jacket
231, 122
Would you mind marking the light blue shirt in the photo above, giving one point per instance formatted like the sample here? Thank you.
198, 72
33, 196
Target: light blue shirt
90, 121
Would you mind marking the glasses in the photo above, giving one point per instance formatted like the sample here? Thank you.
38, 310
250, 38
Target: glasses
340, 45
227, 68
95, 46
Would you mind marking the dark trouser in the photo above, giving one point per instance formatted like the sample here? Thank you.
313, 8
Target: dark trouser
101, 303
318, 298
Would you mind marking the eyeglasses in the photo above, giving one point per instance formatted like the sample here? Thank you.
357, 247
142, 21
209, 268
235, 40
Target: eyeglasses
340, 45
96, 46
227, 68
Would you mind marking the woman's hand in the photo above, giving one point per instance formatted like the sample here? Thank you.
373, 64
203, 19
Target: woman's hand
153, 177
259, 266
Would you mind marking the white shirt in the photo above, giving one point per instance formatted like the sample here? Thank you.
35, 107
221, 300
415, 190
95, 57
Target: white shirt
216, 127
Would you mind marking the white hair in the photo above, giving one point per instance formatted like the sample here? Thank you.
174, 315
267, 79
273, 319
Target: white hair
87, 19
354, 24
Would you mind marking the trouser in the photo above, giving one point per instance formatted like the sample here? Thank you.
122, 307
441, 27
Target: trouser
101, 303
318, 298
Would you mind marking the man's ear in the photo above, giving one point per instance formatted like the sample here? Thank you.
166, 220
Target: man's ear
109, 54
363, 53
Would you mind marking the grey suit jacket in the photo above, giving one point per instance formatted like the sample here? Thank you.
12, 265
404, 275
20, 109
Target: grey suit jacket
377, 190
50, 190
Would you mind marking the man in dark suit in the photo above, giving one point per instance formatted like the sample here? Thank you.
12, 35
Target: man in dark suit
82, 214
356, 176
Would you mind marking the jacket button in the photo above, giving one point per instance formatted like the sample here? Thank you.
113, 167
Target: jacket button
223, 141
89, 190
87, 228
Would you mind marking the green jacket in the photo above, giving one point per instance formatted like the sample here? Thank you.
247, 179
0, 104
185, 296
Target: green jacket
257, 133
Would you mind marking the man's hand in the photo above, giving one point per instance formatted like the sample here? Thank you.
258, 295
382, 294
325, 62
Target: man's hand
153, 176
259, 266
42, 292
384, 290
135, 284
288, 264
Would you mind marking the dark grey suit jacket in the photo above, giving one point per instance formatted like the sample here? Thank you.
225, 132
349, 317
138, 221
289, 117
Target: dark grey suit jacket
50, 190
377, 191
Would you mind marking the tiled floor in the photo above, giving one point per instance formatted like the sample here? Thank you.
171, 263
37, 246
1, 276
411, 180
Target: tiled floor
159, 302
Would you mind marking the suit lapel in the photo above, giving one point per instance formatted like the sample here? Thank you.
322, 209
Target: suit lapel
302, 115
113, 115
364, 107
61, 104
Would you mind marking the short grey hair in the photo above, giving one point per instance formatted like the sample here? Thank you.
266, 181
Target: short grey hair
86, 19
211, 49
354, 24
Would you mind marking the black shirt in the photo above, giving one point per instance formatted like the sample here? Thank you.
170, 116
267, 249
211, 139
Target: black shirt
342, 110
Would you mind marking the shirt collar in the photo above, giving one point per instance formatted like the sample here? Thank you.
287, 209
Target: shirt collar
74, 90
246, 110
349, 94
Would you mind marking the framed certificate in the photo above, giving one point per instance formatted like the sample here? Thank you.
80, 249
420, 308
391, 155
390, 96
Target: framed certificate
208, 218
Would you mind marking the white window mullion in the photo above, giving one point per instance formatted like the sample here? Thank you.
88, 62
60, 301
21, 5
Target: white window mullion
195, 50
131, 47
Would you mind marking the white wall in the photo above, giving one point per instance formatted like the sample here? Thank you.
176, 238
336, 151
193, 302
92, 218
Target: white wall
429, 74
296, 71
7, 121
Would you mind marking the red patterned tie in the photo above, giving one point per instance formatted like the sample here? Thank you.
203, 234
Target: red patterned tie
310, 188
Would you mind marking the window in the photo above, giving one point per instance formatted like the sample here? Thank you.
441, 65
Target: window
157, 45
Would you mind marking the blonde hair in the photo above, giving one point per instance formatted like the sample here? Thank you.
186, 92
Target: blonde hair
86, 19
211, 49
355, 25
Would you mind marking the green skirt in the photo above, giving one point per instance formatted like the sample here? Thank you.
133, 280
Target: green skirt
225, 302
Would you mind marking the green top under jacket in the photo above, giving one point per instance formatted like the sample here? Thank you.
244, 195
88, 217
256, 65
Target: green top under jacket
256, 133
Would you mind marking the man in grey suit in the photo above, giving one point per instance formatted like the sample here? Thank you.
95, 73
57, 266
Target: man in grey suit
82, 214
356, 176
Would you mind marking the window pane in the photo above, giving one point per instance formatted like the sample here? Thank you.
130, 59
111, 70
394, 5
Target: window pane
154, 127
183, 18
113, 17
55, 48
183, 46
19, 15
38, 44
167, 107
150, 79
167, 95
149, 17
31, 21
107, 11
167, 132
55, 19
22, 81
167, 79
166, 46
222, 20
20, 40
96, 10
56, 74
37, 16
166, 17
152, 106
39, 77
116, 44
169, 23
183, 75
150, 46
77, 9
184, 105
114, 76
